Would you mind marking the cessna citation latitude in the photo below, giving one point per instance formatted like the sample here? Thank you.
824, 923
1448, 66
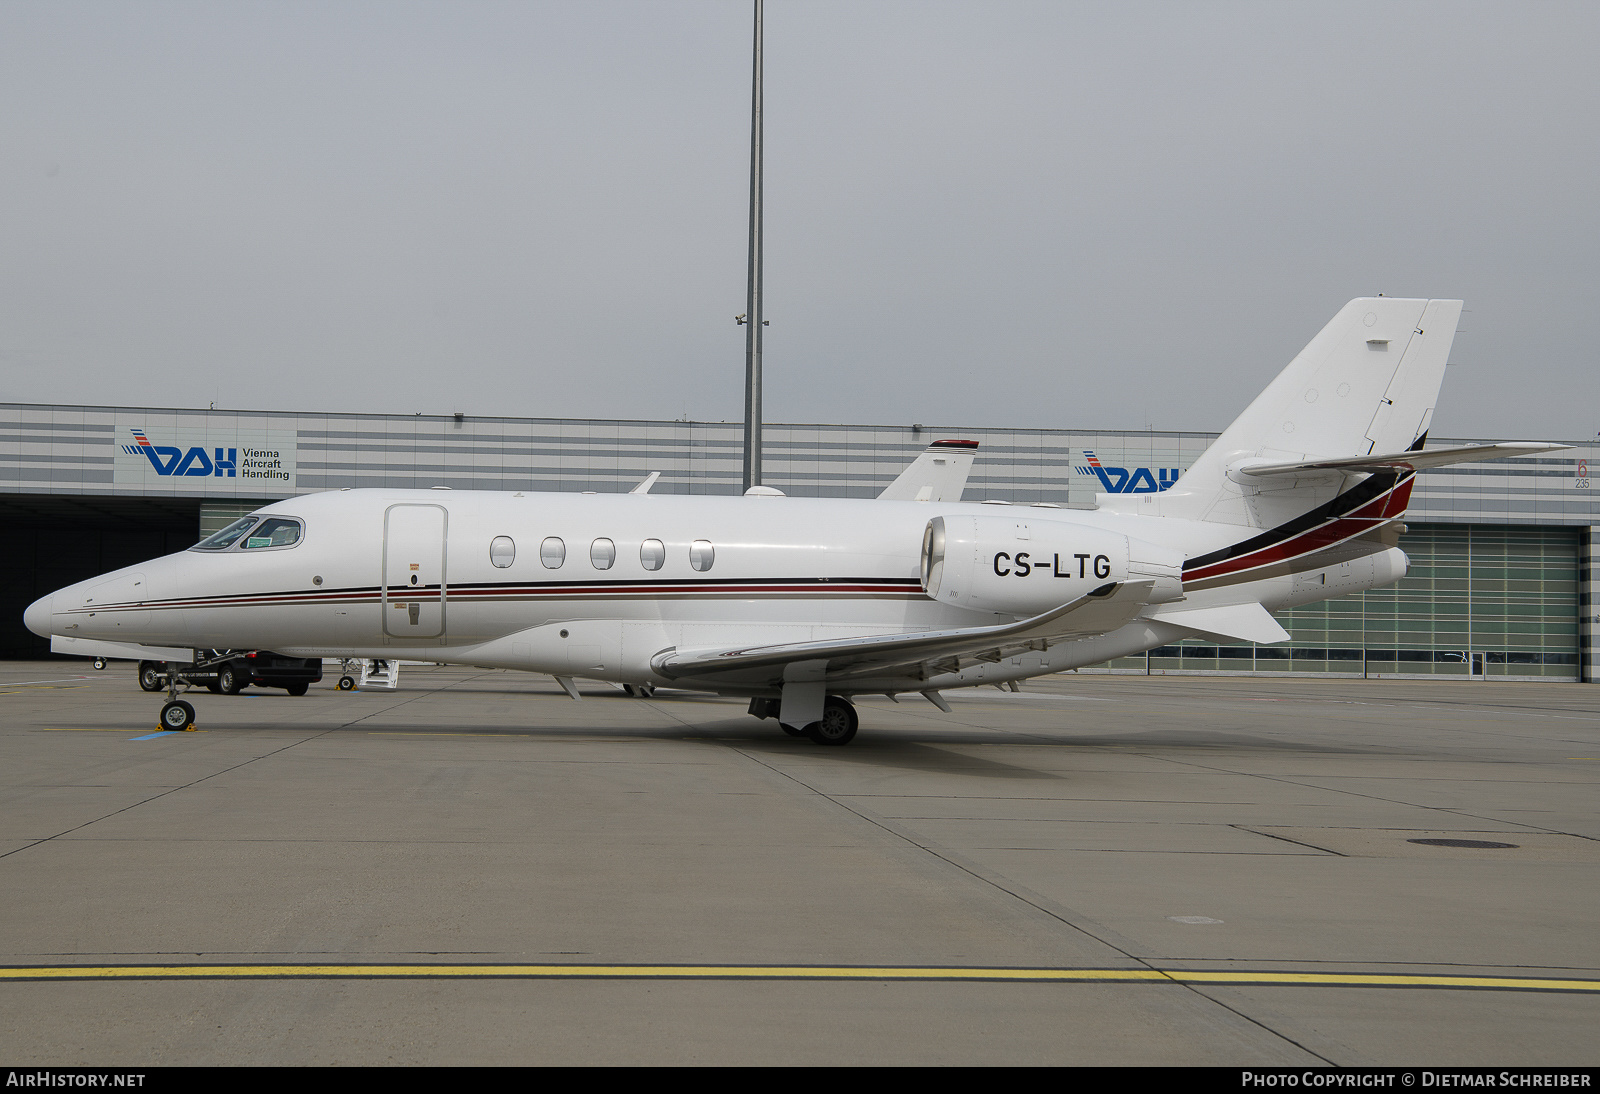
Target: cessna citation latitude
798, 604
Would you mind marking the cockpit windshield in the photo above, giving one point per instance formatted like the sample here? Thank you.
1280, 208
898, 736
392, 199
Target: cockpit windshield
216, 541
274, 532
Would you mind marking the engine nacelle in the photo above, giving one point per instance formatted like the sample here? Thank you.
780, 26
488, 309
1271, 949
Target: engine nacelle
1024, 565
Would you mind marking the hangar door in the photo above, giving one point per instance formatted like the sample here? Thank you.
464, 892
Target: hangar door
414, 589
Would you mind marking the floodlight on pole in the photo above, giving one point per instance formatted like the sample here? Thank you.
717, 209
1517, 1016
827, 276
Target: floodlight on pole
752, 315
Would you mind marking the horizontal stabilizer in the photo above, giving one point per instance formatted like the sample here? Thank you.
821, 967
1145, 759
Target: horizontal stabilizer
939, 474
1227, 623
1401, 461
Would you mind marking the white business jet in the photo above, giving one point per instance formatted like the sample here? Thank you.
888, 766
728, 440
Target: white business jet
798, 604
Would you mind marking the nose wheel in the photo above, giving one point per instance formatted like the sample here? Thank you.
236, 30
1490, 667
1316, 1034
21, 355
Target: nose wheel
177, 716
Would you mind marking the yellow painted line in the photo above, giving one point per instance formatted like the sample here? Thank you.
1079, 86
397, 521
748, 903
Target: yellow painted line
1387, 980
781, 972
116, 729
432, 733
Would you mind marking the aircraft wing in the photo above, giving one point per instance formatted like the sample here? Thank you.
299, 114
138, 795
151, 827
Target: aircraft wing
939, 474
921, 654
89, 647
1405, 461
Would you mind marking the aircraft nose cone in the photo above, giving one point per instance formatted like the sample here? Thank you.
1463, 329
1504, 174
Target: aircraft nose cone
38, 616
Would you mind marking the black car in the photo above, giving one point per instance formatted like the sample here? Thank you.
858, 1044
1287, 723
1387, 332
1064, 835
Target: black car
231, 671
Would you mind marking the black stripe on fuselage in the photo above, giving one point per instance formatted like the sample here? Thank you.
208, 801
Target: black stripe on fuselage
715, 585
1352, 499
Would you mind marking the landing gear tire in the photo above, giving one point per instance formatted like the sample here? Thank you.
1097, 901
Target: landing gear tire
150, 677
838, 725
177, 716
347, 683
99, 663
791, 731
298, 689
229, 681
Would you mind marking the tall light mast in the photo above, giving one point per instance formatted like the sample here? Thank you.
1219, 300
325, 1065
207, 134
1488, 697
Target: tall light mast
752, 315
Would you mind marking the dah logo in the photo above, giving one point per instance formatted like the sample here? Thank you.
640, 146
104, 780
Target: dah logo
194, 463
1119, 480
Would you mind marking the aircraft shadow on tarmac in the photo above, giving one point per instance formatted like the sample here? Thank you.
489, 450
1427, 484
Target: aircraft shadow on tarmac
909, 749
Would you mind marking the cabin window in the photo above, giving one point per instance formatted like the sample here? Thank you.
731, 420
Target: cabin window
602, 552
652, 553
552, 552
216, 541
274, 532
701, 555
502, 551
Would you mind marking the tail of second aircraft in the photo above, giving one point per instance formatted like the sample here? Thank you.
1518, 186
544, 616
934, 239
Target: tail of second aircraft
1364, 387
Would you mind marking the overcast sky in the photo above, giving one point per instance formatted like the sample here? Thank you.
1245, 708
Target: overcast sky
1083, 216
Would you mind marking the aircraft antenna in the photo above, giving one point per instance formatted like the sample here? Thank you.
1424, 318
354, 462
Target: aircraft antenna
752, 315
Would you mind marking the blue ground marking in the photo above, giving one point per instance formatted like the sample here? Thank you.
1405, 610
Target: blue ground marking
148, 736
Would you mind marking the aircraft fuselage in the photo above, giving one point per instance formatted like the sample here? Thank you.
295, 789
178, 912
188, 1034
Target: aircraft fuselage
598, 585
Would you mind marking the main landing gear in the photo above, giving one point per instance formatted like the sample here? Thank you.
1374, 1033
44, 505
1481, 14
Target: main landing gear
837, 726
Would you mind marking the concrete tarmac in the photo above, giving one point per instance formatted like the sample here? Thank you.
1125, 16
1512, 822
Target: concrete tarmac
1100, 870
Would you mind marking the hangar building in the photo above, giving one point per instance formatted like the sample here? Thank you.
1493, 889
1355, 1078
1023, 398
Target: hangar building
1500, 551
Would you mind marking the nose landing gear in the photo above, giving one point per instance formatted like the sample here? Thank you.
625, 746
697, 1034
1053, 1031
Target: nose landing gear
177, 716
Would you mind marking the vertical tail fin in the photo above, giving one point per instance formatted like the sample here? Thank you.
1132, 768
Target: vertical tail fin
1367, 383
939, 474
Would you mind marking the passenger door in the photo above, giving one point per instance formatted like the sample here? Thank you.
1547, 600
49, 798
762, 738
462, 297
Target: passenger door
414, 584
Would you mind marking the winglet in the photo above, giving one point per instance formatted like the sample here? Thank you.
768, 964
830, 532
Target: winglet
646, 483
